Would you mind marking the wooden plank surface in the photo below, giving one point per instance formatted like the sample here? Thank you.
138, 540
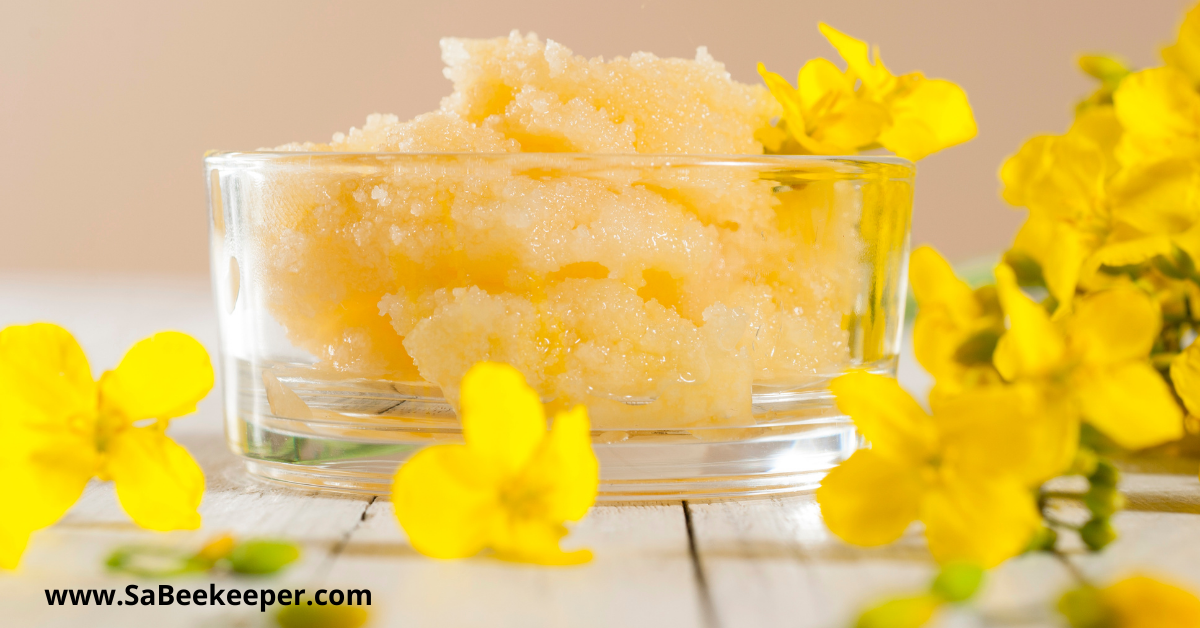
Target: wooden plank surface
758, 562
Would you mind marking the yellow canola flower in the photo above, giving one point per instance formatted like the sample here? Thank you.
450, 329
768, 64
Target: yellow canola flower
1087, 212
966, 471
956, 327
1095, 361
510, 487
835, 112
1184, 54
1135, 602
60, 428
1185, 378
1159, 109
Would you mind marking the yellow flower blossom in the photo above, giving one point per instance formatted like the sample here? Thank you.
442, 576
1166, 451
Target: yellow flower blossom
1096, 360
61, 428
832, 112
1184, 54
1159, 109
1135, 602
966, 471
510, 487
1086, 211
956, 328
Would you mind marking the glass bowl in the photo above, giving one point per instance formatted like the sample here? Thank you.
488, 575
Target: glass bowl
698, 305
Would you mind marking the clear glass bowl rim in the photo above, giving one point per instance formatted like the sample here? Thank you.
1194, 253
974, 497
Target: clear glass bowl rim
842, 164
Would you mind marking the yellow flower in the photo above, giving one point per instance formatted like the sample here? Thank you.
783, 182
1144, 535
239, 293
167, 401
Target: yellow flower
1086, 211
1095, 360
966, 471
60, 428
1135, 602
832, 112
956, 328
1184, 54
510, 487
1185, 377
1160, 111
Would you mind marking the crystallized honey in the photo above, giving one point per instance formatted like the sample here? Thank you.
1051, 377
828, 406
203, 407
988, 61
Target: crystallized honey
660, 293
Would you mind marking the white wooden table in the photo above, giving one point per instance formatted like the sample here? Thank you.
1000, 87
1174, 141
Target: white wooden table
761, 562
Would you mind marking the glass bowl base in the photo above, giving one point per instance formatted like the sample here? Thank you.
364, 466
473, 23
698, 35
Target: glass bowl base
670, 470
350, 436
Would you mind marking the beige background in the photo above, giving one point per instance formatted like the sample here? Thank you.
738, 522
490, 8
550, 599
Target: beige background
107, 107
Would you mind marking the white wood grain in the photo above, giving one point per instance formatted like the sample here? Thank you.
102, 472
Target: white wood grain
641, 575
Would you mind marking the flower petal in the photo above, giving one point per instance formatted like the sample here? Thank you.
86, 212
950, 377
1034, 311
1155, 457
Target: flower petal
931, 115
1060, 177
446, 500
1064, 259
1185, 377
45, 380
13, 541
857, 55
897, 427
1131, 404
502, 416
1160, 198
566, 467
534, 541
1113, 326
1144, 602
1032, 345
158, 482
1007, 431
869, 499
934, 284
789, 99
161, 377
1160, 111
979, 519
1184, 54
44, 472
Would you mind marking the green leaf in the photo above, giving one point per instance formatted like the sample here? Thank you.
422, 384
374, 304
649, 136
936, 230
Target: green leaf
262, 556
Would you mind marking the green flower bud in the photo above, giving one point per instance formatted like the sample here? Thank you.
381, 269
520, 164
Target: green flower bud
1097, 533
1104, 501
1084, 608
1106, 474
1043, 540
957, 582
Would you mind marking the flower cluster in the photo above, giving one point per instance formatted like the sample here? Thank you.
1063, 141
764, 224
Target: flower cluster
864, 107
1078, 351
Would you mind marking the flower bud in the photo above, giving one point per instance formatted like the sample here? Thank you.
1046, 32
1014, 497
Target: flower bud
1097, 533
1103, 501
1084, 608
1106, 474
957, 582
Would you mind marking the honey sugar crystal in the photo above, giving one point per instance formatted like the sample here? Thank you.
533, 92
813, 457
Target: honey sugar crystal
658, 294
